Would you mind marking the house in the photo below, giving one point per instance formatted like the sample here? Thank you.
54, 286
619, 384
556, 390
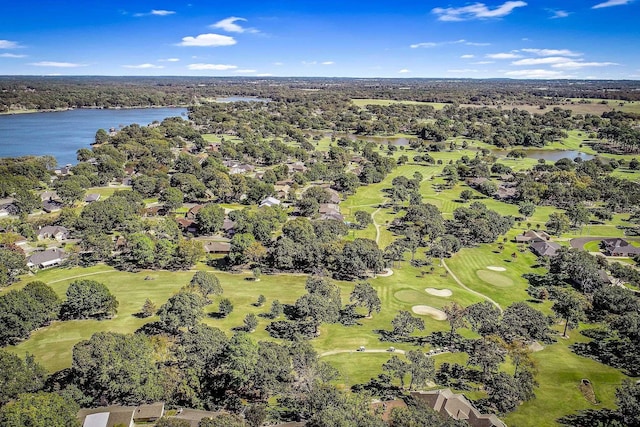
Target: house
532, 236
506, 192
330, 211
155, 211
270, 201
188, 225
107, 416
296, 167
193, 416
334, 196
48, 258
92, 197
49, 195
458, 407
619, 247
282, 191
193, 212
229, 227
149, 413
217, 247
542, 248
51, 206
56, 232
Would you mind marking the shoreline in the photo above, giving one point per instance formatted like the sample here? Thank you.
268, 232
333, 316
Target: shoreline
58, 110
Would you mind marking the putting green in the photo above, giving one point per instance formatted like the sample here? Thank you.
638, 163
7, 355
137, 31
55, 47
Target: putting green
410, 296
494, 278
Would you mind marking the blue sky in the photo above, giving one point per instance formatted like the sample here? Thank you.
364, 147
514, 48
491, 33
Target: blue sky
394, 38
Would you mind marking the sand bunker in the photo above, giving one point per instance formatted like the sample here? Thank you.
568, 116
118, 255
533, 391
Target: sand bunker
536, 346
426, 310
385, 273
494, 268
439, 292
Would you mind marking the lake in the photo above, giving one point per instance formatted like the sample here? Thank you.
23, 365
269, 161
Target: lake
549, 155
242, 99
62, 133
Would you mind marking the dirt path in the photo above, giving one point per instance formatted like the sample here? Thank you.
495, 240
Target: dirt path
444, 264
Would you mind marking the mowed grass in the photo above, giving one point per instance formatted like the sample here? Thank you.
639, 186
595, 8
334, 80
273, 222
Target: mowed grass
52, 345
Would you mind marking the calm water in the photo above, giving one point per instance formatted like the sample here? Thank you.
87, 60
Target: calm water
61, 134
549, 155
242, 98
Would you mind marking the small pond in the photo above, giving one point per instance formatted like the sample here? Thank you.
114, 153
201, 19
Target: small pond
549, 155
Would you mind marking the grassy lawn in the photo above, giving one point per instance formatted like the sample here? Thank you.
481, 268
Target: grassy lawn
369, 101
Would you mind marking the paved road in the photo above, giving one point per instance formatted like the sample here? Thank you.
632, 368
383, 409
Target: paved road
579, 242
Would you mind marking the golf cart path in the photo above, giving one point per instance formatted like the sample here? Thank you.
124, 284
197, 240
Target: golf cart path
444, 264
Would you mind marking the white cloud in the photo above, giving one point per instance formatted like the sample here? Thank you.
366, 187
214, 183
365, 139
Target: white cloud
11, 55
155, 12
404, 71
477, 44
467, 56
57, 64
581, 64
483, 62
278, 64
8, 44
143, 66
503, 55
245, 71
215, 67
476, 11
535, 74
162, 12
208, 40
229, 25
426, 44
551, 52
610, 3
545, 60
328, 63
556, 14
434, 44
169, 60
264, 75
309, 62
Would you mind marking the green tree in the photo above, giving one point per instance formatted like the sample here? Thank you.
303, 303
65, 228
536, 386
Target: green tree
188, 252
40, 410
12, 264
628, 401
172, 198
70, 190
558, 223
365, 295
397, 368
19, 376
206, 283
570, 306
276, 309
526, 209
578, 214
119, 368
88, 298
363, 218
421, 367
250, 322
148, 308
183, 310
456, 318
210, 218
404, 324
225, 307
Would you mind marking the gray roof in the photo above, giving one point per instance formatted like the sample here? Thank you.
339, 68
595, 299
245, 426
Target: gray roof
47, 257
545, 248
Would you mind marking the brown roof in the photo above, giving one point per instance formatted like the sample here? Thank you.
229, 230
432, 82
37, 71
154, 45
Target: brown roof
217, 247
